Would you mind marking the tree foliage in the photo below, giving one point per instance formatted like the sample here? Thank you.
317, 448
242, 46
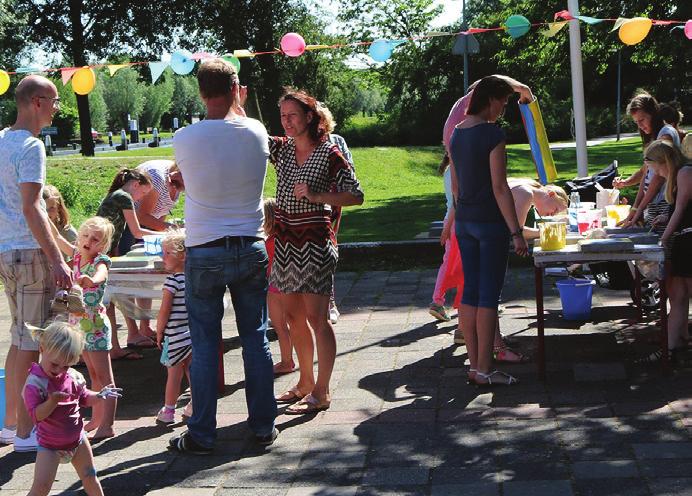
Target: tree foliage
124, 94
157, 101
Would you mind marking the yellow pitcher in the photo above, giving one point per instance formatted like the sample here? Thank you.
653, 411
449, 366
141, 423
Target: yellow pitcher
553, 235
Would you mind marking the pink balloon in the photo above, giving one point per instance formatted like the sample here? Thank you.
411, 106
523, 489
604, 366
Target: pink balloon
688, 29
292, 44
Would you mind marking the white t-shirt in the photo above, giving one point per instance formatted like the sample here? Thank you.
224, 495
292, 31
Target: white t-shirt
223, 164
22, 160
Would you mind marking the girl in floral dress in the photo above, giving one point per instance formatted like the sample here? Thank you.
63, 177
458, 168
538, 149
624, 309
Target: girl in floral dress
90, 266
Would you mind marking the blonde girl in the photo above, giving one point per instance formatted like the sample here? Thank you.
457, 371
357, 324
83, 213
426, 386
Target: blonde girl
128, 187
90, 266
58, 213
54, 394
172, 331
548, 200
274, 305
665, 160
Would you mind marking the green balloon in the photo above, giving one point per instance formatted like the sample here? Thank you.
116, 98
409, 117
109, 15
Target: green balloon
235, 61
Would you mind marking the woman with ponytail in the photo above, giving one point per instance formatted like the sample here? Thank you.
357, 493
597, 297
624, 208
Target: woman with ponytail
128, 187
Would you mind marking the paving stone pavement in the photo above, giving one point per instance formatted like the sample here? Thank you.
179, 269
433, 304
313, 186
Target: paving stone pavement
403, 420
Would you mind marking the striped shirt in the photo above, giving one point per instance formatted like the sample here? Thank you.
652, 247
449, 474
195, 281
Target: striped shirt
177, 332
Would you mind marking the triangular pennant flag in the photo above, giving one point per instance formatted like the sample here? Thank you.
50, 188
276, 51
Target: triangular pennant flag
676, 27
67, 74
201, 56
563, 14
157, 69
113, 68
553, 28
316, 47
590, 20
620, 21
243, 54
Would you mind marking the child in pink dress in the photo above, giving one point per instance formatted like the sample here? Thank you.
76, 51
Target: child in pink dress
53, 395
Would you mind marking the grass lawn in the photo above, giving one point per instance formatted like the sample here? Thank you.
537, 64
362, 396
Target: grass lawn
403, 192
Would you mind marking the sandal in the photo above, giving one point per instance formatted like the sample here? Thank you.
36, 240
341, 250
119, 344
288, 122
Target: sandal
494, 378
290, 396
508, 355
185, 444
143, 342
309, 404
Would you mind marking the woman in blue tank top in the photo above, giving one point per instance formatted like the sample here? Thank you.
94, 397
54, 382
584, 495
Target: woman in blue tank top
485, 222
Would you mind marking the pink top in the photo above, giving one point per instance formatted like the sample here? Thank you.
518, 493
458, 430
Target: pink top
63, 428
456, 115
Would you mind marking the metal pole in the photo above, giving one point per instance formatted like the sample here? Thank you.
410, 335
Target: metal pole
464, 27
577, 89
617, 110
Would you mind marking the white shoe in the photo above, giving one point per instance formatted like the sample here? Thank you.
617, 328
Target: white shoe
26, 445
7, 435
333, 314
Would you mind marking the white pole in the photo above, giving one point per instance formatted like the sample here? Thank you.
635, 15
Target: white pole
577, 89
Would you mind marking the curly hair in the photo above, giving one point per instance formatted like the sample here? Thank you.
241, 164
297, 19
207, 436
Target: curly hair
319, 126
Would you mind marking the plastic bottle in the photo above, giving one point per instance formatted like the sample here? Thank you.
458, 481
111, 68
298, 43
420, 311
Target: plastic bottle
574, 203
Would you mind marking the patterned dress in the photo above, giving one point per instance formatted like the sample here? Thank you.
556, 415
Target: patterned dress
94, 322
305, 253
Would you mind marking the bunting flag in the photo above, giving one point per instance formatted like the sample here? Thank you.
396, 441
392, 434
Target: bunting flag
590, 20
157, 69
553, 28
619, 22
113, 68
67, 73
243, 54
538, 141
201, 56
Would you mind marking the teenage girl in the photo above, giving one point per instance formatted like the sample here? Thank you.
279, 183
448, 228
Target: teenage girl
275, 308
172, 331
129, 186
54, 394
90, 265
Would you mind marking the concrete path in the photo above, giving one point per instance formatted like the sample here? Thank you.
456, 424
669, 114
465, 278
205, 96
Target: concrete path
403, 421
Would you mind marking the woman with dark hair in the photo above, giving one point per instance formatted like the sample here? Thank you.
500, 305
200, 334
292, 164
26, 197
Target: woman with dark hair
312, 177
485, 222
649, 203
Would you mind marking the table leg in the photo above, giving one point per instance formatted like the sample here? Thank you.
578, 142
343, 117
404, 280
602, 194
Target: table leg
638, 293
663, 311
540, 320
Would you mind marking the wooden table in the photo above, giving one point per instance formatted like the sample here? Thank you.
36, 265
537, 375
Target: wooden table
147, 282
572, 255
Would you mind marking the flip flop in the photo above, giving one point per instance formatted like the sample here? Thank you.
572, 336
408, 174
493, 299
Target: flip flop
143, 342
309, 404
290, 396
128, 355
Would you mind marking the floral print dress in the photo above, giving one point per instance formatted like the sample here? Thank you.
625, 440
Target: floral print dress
93, 322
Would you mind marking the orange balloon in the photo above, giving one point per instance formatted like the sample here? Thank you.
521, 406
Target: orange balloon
635, 30
83, 81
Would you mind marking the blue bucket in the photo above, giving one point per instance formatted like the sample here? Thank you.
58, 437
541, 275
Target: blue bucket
2, 397
575, 295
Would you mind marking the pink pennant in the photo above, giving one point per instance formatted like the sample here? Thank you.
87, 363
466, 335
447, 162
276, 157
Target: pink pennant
563, 14
201, 56
67, 74
663, 23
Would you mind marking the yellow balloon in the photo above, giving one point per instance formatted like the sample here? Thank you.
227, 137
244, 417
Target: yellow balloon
4, 82
635, 30
83, 81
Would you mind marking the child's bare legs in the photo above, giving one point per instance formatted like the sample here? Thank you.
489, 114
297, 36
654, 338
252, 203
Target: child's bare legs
280, 325
44, 472
679, 291
145, 324
101, 373
173, 380
96, 409
83, 462
116, 350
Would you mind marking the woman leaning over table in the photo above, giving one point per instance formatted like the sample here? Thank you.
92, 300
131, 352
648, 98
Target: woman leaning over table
312, 178
485, 222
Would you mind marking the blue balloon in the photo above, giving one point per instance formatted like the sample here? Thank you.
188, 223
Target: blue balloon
182, 63
380, 50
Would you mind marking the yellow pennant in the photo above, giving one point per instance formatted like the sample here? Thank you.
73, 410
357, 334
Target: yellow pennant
243, 54
553, 28
115, 68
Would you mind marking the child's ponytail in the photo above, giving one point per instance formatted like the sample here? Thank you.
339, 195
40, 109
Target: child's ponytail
124, 175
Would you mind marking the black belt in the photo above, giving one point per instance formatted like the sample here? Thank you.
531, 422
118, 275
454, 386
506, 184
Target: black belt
227, 241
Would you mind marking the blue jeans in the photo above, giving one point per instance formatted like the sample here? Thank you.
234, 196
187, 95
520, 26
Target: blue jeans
484, 248
240, 266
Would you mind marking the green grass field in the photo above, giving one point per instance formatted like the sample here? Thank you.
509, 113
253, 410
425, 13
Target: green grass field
403, 192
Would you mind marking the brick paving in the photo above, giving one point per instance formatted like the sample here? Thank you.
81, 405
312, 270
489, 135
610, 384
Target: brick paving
403, 421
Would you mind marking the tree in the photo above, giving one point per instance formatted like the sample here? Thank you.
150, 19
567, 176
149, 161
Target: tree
157, 101
97, 106
124, 95
83, 29
185, 101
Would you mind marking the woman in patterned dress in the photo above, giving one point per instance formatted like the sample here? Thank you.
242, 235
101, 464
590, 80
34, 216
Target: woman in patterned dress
307, 168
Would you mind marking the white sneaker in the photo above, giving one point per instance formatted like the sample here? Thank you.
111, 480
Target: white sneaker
7, 435
333, 314
26, 445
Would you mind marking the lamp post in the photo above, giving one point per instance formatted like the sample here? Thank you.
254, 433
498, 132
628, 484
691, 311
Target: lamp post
577, 89
464, 27
617, 109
